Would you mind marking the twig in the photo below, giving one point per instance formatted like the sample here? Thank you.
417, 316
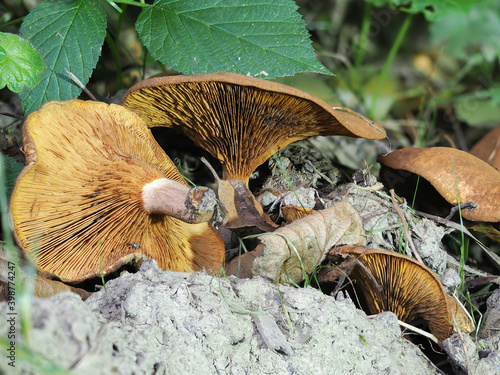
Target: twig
466, 351
13, 115
461, 207
405, 226
80, 85
210, 168
324, 176
430, 336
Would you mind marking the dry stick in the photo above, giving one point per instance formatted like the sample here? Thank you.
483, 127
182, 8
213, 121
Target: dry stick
80, 85
430, 336
464, 345
210, 168
405, 228
340, 284
316, 170
13, 115
460, 207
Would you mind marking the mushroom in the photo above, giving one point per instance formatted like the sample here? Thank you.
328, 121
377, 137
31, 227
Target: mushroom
457, 175
394, 282
488, 148
241, 121
292, 213
97, 192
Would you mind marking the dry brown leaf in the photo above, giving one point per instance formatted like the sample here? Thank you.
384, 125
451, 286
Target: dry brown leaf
244, 214
453, 173
43, 287
294, 251
488, 148
46, 288
488, 230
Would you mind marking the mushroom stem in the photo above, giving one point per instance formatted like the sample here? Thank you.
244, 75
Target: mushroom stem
169, 197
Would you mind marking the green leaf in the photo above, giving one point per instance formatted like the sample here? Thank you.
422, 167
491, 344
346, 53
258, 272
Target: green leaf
477, 110
11, 168
20, 63
432, 9
265, 38
454, 30
69, 35
495, 95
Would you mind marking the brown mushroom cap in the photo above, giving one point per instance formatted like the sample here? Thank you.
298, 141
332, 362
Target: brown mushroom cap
77, 207
453, 173
397, 283
488, 148
241, 120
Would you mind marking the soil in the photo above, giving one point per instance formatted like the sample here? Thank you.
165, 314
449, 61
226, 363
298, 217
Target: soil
162, 322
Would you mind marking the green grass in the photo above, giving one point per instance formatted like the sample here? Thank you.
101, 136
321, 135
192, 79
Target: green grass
101, 256
290, 324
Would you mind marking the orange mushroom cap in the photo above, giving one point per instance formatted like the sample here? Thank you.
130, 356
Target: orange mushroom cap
242, 120
78, 209
454, 174
397, 283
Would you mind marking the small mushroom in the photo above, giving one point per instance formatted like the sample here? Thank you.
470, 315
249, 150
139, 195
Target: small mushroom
241, 121
292, 213
488, 148
98, 191
394, 282
453, 173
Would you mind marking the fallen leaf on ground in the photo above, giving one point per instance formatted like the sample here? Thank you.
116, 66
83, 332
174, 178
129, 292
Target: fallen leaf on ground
291, 253
457, 175
43, 287
488, 148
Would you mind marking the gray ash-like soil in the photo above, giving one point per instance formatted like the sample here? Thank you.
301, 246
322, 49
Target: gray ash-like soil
161, 322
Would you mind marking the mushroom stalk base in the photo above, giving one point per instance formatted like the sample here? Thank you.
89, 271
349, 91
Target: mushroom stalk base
169, 197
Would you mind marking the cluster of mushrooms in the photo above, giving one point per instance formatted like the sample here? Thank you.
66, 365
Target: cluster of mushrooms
99, 192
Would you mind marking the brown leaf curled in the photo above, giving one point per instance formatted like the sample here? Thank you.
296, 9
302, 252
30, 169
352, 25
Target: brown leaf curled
293, 252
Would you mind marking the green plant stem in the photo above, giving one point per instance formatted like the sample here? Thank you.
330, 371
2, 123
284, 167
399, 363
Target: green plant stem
117, 43
415, 193
363, 37
141, 4
390, 59
463, 259
10, 23
100, 265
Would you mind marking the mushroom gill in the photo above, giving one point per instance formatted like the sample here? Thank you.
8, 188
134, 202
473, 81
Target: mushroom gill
77, 207
397, 283
241, 120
